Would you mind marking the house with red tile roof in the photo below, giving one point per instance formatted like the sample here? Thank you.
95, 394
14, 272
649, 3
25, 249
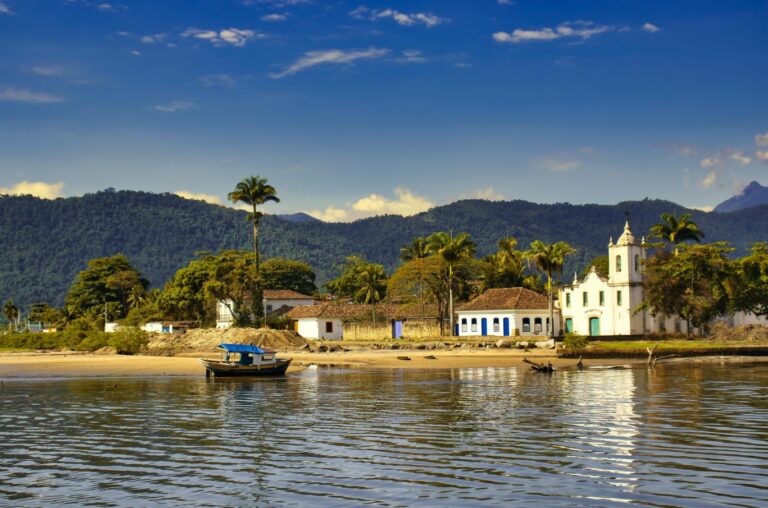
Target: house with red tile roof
506, 312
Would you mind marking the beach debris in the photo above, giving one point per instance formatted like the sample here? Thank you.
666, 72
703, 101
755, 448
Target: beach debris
430, 357
523, 344
580, 365
652, 358
403, 357
541, 367
545, 344
503, 343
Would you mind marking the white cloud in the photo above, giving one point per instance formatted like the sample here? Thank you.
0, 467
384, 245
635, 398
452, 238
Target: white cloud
709, 180
703, 208
23, 95
153, 38
43, 190
48, 70
136, 53
711, 162
211, 80
331, 56
761, 139
105, 7
237, 37
577, 29
4, 9
489, 193
275, 17
650, 27
762, 155
412, 56
725, 155
405, 203
417, 18
505, 2
740, 157
208, 198
558, 165
174, 106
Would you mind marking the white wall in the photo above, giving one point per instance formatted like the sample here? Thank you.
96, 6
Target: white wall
515, 317
277, 303
314, 328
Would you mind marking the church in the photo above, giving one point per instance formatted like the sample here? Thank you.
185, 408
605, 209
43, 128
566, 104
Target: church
599, 306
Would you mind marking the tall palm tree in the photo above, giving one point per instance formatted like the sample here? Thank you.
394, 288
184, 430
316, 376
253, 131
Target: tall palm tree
452, 250
417, 249
549, 259
254, 191
11, 313
371, 282
677, 230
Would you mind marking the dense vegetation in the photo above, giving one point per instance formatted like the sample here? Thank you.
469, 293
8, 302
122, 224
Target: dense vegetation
44, 244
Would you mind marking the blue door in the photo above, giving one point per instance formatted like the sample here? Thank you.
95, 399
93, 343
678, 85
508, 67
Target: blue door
484, 327
506, 327
594, 326
569, 325
397, 329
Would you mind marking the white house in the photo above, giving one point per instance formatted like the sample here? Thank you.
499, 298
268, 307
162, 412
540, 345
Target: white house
506, 312
275, 301
323, 321
599, 306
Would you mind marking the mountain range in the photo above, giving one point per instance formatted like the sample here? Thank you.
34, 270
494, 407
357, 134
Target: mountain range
45, 243
753, 194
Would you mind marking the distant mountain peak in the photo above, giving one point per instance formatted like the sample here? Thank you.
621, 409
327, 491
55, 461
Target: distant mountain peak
753, 194
297, 217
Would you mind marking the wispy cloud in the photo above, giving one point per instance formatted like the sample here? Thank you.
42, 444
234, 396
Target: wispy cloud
571, 29
723, 157
401, 18
199, 196
48, 70
329, 57
24, 95
174, 106
650, 27
489, 193
213, 80
153, 38
412, 56
761, 139
4, 9
683, 149
709, 180
762, 155
558, 165
237, 37
405, 203
275, 17
43, 190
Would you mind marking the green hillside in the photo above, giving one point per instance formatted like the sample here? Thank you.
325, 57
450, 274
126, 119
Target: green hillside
44, 243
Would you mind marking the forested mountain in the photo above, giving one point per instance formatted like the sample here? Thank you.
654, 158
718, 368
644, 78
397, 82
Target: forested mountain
753, 194
45, 243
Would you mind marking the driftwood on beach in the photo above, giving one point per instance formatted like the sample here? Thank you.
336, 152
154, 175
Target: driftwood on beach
540, 367
652, 358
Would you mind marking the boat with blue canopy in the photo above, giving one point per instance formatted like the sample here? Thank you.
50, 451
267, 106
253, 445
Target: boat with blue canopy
245, 360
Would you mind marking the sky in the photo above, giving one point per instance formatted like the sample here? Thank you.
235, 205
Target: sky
354, 109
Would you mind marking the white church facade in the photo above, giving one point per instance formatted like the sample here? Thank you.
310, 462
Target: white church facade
598, 306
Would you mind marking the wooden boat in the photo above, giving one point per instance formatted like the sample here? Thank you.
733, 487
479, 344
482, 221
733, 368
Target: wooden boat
245, 360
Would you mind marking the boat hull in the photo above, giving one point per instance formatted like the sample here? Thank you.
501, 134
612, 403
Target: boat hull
223, 369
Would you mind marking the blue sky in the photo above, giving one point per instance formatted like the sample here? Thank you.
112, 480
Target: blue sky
359, 108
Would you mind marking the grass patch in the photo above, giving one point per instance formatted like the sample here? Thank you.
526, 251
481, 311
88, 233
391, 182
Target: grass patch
665, 344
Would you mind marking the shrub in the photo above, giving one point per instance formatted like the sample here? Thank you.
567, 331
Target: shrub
575, 341
93, 341
128, 341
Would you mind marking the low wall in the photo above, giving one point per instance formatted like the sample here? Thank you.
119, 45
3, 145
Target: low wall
383, 331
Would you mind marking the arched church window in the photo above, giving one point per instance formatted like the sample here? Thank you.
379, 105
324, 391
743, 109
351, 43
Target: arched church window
637, 262
618, 264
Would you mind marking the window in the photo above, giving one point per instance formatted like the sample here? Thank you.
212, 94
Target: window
567, 299
584, 299
496, 326
602, 298
329, 327
269, 308
464, 325
526, 325
537, 325
637, 262
474, 324
618, 264
618, 298
547, 325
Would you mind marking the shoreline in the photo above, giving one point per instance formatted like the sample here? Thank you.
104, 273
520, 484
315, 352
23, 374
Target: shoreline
35, 365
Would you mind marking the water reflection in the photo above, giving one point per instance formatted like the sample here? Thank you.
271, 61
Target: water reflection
677, 435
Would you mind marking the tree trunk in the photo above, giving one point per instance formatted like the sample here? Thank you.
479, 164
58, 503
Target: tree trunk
256, 238
551, 308
450, 298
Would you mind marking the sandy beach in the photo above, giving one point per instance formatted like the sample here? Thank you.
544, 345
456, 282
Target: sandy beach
37, 365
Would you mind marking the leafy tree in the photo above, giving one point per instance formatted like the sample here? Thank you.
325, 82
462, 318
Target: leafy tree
280, 273
749, 289
505, 268
453, 251
45, 314
235, 279
677, 230
417, 249
372, 285
601, 264
254, 191
422, 281
184, 297
345, 285
11, 313
106, 281
692, 284
549, 259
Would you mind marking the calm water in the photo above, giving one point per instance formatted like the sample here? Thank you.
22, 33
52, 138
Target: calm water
679, 435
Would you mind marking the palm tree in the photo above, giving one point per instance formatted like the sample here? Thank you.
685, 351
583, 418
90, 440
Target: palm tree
418, 249
11, 313
254, 191
677, 230
549, 259
452, 250
371, 282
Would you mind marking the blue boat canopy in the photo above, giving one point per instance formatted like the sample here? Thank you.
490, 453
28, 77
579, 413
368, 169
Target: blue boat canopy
242, 348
